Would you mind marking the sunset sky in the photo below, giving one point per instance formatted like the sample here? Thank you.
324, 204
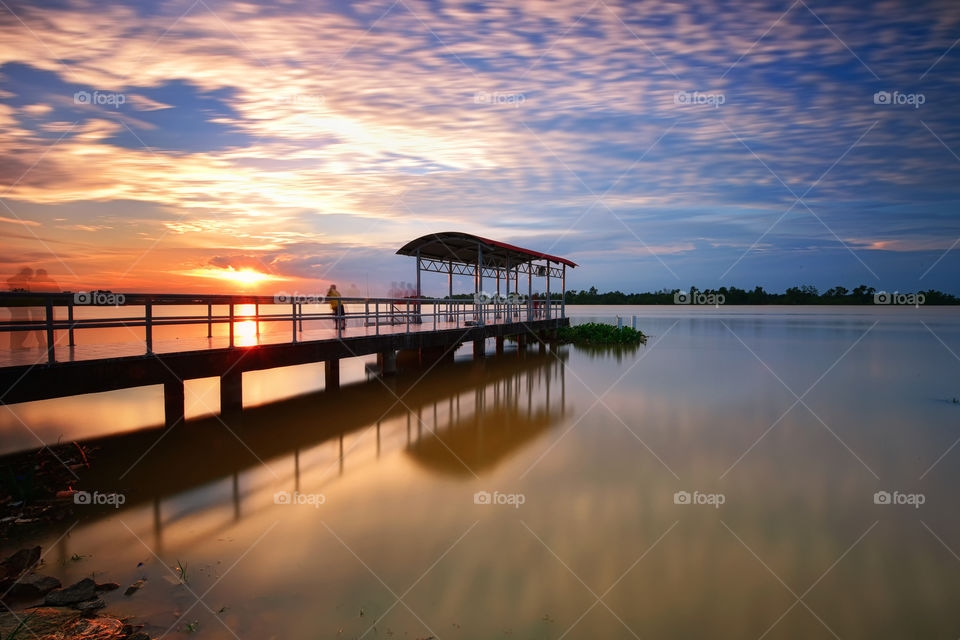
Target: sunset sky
227, 146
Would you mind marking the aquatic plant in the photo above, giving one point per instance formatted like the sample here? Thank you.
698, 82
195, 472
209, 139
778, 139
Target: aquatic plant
596, 333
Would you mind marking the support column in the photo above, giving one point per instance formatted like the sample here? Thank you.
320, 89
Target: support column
563, 292
542, 342
479, 348
173, 402
331, 369
529, 291
522, 342
499, 345
231, 393
546, 308
387, 362
477, 302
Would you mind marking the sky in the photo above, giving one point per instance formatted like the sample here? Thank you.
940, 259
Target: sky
206, 146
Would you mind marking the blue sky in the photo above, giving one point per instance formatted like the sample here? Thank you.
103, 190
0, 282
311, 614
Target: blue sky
164, 145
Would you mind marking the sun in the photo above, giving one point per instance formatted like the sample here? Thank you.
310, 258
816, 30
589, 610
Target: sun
240, 276
243, 276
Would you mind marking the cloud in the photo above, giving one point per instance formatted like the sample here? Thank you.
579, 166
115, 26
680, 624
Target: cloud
288, 131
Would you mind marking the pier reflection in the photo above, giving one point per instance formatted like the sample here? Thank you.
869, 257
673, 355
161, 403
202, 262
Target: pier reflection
456, 419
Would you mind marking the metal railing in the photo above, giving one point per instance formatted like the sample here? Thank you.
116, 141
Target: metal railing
38, 313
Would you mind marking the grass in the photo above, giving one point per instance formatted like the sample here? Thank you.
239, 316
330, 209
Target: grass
182, 571
20, 627
596, 333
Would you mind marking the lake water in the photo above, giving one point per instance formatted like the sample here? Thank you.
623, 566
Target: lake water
752, 472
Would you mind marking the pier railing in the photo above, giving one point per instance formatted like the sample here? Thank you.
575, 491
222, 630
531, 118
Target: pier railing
49, 315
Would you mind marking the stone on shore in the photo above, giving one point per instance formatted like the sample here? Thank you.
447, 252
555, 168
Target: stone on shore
86, 589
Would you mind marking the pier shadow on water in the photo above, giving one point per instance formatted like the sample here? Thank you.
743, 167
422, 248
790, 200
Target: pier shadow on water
455, 419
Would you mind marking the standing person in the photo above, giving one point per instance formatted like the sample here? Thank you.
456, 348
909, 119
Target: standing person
42, 283
536, 305
19, 283
337, 306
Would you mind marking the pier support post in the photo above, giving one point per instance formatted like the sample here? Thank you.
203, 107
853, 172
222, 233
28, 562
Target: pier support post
387, 362
479, 348
231, 393
173, 402
522, 342
499, 345
542, 339
331, 369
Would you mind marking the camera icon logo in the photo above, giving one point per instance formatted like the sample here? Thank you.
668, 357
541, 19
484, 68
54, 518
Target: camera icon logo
681, 497
881, 297
81, 97
281, 297
482, 497
281, 497
82, 297
882, 497
682, 297
881, 97
82, 497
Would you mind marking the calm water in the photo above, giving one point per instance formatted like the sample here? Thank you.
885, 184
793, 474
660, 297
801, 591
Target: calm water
792, 418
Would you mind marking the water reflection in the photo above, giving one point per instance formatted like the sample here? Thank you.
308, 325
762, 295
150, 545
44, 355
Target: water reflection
455, 419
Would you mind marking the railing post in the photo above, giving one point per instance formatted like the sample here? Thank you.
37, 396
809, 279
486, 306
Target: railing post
70, 320
293, 314
366, 315
376, 311
209, 320
434, 309
148, 314
231, 324
51, 355
256, 318
408, 316
300, 313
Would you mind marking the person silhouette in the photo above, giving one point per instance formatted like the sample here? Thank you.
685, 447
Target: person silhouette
337, 306
19, 283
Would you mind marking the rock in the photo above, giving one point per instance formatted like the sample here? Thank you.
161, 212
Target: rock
31, 587
132, 589
84, 590
20, 562
90, 605
108, 586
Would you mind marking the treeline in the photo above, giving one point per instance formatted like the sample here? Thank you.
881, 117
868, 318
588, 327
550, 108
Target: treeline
806, 294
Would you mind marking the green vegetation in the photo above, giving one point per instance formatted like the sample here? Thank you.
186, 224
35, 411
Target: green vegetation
595, 333
182, 572
807, 294
20, 627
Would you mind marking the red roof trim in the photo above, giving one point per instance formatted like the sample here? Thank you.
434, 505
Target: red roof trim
495, 243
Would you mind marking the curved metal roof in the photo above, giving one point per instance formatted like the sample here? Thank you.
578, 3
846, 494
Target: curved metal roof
463, 248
